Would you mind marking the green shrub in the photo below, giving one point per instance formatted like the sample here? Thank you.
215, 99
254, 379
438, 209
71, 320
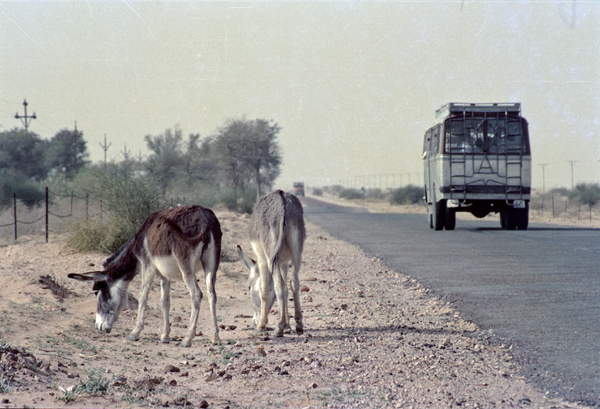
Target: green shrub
588, 194
375, 194
126, 201
407, 195
27, 192
93, 235
334, 190
317, 191
559, 191
351, 194
239, 201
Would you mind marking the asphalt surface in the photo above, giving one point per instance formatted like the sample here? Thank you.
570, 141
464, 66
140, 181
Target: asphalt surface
537, 289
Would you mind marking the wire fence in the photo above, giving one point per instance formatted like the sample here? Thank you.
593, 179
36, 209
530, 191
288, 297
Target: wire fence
58, 210
62, 209
560, 207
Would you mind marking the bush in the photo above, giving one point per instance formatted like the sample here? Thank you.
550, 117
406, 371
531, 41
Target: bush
27, 192
375, 194
333, 190
407, 195
351, 194
317, 191
242, 202
126, 201
587, 194
559, 191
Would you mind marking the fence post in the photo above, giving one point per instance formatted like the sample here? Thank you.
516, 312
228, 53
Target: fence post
553, 207
15, 213
46, 214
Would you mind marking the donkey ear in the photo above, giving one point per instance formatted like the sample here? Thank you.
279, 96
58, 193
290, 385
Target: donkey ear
247, 261
91, 276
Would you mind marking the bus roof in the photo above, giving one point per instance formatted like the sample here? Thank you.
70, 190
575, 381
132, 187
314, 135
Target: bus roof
451, 107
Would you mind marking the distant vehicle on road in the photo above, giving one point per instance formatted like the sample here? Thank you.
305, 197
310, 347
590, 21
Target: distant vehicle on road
299, 188
477, 159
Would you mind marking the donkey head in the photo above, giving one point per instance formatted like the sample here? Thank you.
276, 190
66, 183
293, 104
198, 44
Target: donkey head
111, 294
254, 285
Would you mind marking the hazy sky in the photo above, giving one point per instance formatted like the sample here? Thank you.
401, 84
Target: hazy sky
353, 85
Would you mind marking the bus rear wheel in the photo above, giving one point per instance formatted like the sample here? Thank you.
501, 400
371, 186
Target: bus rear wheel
450, 222
439, 215
515, 218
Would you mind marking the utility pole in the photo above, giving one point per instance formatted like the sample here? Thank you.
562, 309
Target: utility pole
572, 162
543, 165
126, 154
25, 119
105, 148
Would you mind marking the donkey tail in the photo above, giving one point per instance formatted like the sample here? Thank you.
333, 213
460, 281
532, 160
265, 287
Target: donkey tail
276, 253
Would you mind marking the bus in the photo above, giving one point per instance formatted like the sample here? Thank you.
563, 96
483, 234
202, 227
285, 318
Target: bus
477, 159
299, 188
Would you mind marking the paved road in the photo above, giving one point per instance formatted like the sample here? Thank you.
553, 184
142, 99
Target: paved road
538, 289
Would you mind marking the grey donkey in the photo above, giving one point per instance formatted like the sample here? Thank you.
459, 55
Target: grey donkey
277, 235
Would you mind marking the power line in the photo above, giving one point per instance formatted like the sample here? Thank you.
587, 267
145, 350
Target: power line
572, 162
105, 148
25, 119
543, 165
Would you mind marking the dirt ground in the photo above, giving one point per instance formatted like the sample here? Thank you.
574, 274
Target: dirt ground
373, 338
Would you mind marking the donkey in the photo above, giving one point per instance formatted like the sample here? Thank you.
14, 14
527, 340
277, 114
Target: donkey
175, 243
277, 236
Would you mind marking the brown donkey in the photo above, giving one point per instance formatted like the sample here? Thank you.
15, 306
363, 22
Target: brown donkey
174, 243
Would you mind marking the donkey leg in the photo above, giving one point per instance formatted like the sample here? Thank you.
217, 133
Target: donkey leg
211, 278
281, 293
284, 273
165, 298
295, 284
196, 297
148, 273
265, 289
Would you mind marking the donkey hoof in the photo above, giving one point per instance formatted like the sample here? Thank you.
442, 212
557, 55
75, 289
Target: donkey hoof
299, 330
216, 340
165, 339
133, 337
186, 343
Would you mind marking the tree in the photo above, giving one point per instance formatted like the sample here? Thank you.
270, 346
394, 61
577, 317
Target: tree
67, 152
248, 152
166, 157
588, 194
23, 153
199, 165
263, 154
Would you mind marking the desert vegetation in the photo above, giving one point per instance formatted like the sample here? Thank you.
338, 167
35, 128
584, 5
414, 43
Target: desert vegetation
231, 167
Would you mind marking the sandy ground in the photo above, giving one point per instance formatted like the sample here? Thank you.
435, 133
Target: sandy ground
373, 338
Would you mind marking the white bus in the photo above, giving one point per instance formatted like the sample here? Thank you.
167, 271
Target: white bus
477, 159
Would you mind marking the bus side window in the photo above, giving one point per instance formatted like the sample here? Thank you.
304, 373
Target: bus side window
435, 139
427, 142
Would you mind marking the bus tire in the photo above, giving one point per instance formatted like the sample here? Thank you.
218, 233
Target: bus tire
503, 219
439, 215
450, 222
522, 217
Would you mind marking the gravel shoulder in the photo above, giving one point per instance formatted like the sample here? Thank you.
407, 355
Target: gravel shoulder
373, 338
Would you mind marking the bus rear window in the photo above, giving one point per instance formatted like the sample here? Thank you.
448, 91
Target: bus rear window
486, 135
